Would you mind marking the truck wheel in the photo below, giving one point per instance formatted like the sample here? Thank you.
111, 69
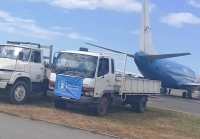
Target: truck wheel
60, 104
18, 92
102, 106
141, 106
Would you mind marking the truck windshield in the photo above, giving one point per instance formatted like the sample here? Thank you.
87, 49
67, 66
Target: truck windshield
75, 64
14, 52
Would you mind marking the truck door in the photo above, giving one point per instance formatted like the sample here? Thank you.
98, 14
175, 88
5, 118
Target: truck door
37, 67
105, 77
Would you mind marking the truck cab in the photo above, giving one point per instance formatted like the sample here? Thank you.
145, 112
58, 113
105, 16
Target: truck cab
95, 69
22, 70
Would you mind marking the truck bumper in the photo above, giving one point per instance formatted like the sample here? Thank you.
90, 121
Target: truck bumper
50, 93
3, 84
83, 99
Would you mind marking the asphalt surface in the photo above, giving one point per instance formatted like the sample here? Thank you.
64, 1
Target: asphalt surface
176, 103
12, 127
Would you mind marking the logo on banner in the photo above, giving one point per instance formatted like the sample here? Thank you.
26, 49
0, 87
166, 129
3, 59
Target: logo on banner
62, 85
147, 30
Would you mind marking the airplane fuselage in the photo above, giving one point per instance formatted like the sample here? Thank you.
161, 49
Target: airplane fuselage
170, 73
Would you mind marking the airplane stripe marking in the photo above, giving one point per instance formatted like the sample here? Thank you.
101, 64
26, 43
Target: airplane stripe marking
196, 76
147, 30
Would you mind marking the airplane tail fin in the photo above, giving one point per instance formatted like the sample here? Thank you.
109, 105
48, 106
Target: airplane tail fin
146, 44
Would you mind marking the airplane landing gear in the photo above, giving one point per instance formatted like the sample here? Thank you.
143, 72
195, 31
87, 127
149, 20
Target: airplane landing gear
187, 95
163, 90
169, 91
184, 95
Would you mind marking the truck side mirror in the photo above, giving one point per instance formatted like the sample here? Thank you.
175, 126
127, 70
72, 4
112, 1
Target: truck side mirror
20, 56
104, 69
54, 58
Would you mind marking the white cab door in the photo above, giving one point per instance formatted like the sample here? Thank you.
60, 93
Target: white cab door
105, 77
37, 66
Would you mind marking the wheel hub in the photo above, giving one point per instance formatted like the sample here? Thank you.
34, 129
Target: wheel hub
20, 93
103, 107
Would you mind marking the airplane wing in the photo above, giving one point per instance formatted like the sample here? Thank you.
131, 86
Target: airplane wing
116, 51
129, 73
189, 84
146, 57
163, 56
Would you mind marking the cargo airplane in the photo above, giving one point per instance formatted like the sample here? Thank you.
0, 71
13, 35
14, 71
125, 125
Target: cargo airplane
156, 66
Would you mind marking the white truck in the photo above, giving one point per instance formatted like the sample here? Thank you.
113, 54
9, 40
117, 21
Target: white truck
22, 70
101, 87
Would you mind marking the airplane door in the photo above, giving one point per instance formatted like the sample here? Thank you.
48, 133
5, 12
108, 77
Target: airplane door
37, 67
105, 76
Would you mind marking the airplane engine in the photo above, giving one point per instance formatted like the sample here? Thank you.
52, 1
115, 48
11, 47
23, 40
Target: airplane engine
198, 82
198, 78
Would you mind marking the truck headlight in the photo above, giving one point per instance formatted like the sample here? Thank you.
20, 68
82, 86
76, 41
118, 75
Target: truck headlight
51, 85
88, 91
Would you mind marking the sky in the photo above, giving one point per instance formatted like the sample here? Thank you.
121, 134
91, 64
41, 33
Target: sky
68, 24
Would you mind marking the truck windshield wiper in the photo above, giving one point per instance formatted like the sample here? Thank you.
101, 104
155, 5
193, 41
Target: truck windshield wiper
61, 70
78, 73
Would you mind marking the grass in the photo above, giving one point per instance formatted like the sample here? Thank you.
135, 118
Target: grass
120, 121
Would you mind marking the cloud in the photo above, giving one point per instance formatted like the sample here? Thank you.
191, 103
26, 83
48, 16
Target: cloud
177, 19
117, 5
6, 28
76, 36
61, 28
135, 32
195, 3
26, 27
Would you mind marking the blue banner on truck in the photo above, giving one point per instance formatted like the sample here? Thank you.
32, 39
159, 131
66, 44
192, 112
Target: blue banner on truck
68, 87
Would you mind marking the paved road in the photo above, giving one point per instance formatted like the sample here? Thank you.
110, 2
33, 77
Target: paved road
174, 102
12, 127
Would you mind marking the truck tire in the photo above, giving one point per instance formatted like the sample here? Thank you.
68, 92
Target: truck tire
60, 104
102, 107
18, 92
141, 106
